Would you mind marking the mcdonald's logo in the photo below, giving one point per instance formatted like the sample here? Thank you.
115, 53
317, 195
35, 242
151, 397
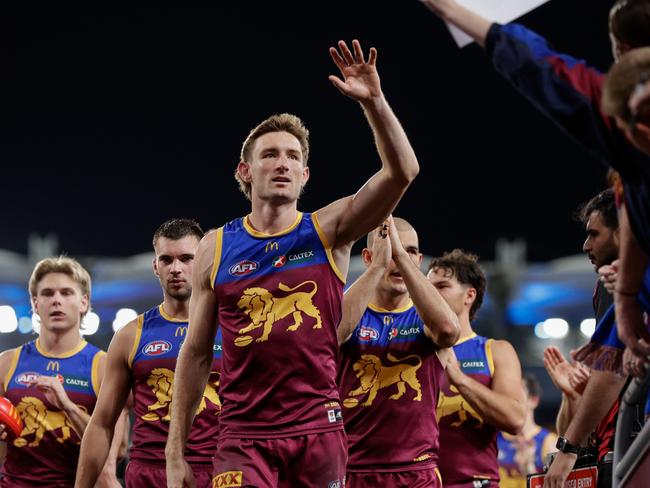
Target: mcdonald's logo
388, 320
180, 331
271, 246
53, 366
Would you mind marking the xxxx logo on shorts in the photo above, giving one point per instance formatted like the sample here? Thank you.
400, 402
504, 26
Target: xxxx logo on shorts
228, 479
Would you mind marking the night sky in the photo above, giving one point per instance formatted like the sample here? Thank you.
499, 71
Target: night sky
112, 121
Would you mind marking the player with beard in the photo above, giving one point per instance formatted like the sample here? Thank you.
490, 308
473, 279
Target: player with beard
142, 361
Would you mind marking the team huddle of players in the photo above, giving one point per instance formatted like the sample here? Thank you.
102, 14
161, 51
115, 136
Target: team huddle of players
281, 380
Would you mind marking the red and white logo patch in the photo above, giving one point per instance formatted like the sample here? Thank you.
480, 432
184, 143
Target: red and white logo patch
156, 348
26, 378
279, 261
243, 268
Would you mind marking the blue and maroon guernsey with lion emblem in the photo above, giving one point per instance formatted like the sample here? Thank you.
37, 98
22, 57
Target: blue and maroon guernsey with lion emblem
153, 359
279, 305
468, 446
47, 450
389, 378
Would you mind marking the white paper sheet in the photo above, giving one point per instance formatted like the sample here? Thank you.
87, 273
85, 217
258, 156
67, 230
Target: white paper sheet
502, 11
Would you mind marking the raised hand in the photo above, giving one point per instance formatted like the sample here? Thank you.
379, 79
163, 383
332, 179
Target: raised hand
559, 369
381, 245
360, 78
579, 377
607, 275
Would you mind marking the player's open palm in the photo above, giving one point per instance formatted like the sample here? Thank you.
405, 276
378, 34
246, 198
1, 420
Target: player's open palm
360, 78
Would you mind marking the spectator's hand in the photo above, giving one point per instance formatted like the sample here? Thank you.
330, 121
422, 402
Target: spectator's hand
607, 275
639, 102
633, 365
559, 470
559, 369
360, 78
579, 377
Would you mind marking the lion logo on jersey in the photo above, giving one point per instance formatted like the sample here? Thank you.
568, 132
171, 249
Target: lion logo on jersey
452, 404
161, 382
373, 376
265, 309
37, 420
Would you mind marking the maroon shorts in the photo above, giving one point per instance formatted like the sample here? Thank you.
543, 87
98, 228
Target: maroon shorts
421, 478
312, 460
143, 474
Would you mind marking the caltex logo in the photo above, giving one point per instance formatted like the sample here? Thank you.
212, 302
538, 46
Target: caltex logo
243, 268
392, 334
279, 261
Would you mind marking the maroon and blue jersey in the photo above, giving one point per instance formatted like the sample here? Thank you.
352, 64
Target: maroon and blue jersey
511, 476
47, 450
389, 376
279, 306
568, 91
468, 445
153, 360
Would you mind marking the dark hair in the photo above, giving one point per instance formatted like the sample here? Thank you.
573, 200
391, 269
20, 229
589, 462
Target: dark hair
176, 229
629, 22
533, 387
603, 203
464, 266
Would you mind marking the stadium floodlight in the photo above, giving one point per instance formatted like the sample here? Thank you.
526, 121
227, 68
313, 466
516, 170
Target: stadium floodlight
556, 328
8, 319
587, 327
25, 325
122, 317
540, 332
89, 324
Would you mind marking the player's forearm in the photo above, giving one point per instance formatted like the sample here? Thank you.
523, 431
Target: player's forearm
496, 409
355, 301
600, 394
397, 155
191, 376
95, 447
436, 314
77, 417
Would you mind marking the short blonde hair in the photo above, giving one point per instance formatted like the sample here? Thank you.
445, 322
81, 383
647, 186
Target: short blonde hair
65, 265
275, 123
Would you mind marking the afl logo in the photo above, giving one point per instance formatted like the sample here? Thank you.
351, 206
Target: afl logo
26, 378
156, 348
279, 261
368, 333
243, 268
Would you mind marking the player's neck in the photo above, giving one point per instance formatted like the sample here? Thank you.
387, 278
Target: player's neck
390, 301
268, 218
56, 343
176, 309
465, 326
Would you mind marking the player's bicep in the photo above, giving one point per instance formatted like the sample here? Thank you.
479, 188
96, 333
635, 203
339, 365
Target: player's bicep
507, 378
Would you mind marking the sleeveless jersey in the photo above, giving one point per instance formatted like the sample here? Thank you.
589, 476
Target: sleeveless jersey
389, 377
279, 305
509, 472
47, 451
153, 359
468, 446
